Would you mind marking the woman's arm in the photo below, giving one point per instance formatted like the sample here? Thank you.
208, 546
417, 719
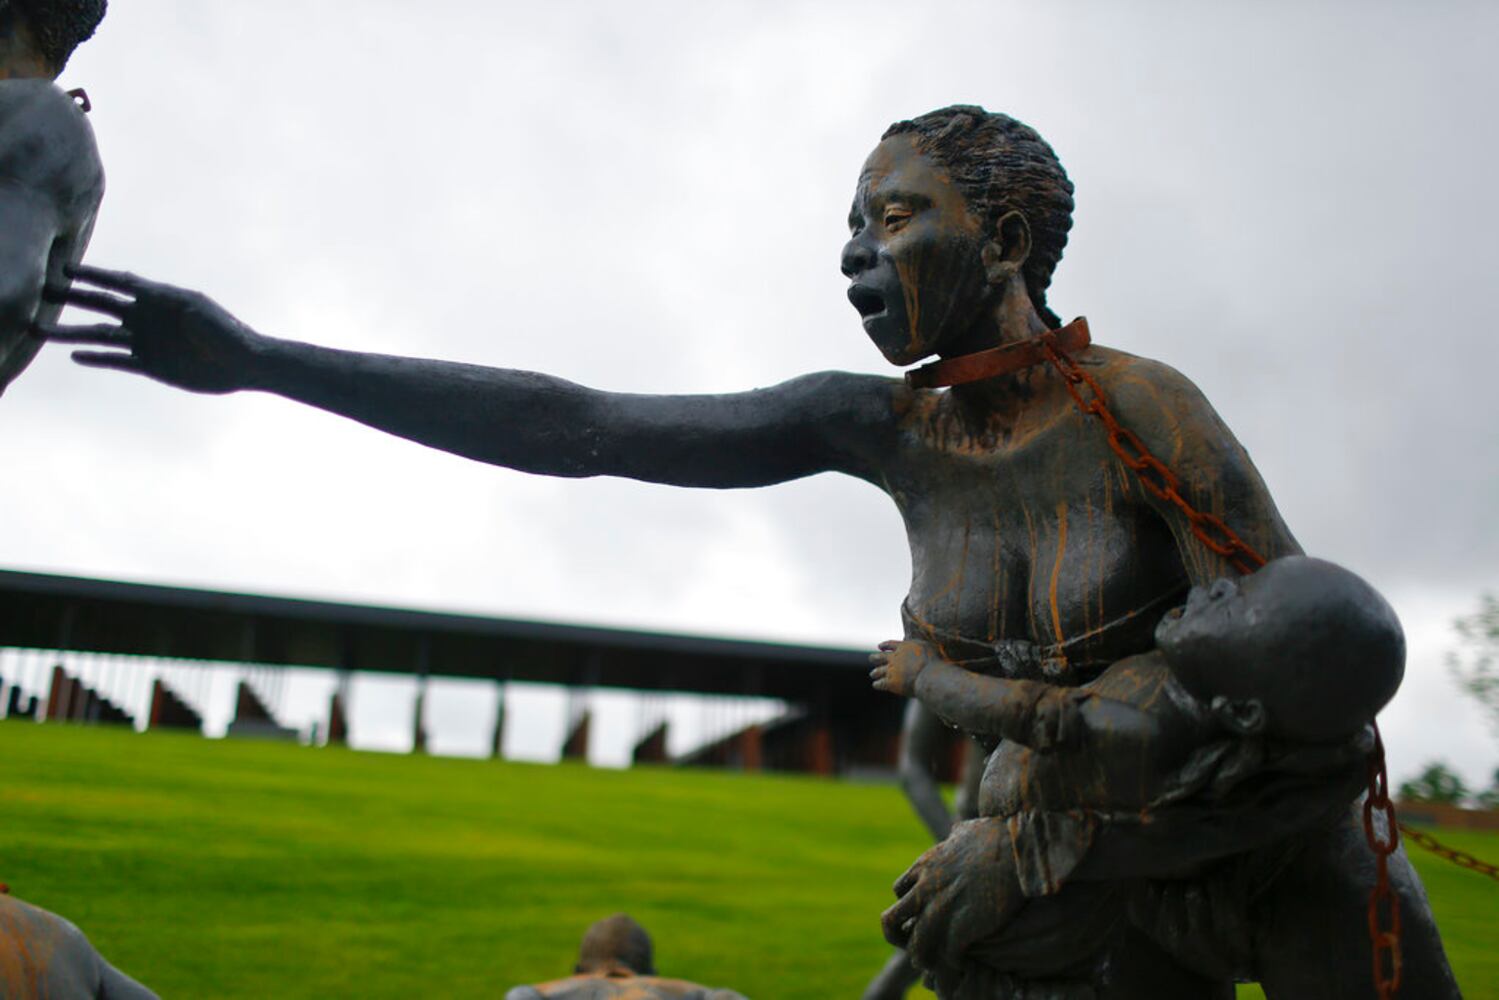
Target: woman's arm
833, 421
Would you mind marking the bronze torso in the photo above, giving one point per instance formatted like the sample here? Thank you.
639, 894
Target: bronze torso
1034, 531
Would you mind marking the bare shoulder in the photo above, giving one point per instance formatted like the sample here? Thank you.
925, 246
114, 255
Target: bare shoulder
1164, 407
1136, 383
46, 143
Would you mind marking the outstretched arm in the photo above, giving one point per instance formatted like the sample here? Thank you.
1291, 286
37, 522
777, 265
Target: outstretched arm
832, 421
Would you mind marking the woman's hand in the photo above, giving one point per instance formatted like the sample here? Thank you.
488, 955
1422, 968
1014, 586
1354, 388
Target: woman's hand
174, 335
959, 892
897, 665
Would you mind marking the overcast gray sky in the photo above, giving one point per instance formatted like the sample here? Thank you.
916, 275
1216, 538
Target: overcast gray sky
1292, 203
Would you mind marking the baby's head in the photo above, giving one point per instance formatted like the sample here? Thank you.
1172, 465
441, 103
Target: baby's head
1302, 649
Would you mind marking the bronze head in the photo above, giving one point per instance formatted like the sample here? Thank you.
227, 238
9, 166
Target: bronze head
37, 37
1302, 649
955, 211
616, 945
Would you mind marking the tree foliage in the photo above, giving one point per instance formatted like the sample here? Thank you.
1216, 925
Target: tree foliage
1475, 663
1489, 798
1436, 783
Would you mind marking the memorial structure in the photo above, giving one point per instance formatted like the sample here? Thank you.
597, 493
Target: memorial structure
1047, 539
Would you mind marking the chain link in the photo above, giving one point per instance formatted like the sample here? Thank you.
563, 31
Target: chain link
1154, 475
1460, 858
1384, 905
1158, 480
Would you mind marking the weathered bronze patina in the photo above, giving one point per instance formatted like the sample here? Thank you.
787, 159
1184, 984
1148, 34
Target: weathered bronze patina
1037, 552
51, 180
43, 956
1258, 691
616, 962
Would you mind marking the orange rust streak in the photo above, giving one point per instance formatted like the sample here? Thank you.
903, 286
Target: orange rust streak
1056, 570
1030, 587
997, 597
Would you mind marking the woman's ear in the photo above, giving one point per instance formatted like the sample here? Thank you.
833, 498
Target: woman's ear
1006, 253
1247, 718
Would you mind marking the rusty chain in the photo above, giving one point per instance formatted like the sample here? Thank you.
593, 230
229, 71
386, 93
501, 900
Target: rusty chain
1158, 480
1382, 900
1460, 858
1154, 475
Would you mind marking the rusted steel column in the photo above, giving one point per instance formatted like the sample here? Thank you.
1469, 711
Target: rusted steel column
60, 695
576, 745
338, 720
497, 741
652, 749
419, 729
170, 712
819, 748
752, 748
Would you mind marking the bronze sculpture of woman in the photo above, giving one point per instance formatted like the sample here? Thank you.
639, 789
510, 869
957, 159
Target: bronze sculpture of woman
1032, 546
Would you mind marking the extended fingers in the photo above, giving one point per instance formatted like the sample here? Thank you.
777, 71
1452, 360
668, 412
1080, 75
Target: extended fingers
107, 334
894, 922
928, 935
109, 359
115, 281
907, 882
110, 305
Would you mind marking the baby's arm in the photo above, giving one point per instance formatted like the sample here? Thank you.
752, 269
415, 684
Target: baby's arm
1032, 713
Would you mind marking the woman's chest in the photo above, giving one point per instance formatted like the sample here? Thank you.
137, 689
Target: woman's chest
1051, 541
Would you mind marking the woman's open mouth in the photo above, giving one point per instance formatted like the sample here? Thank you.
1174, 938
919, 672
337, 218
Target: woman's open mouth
869, 302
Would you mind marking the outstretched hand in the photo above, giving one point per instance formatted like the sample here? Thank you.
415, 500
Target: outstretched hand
897, 665
174, 335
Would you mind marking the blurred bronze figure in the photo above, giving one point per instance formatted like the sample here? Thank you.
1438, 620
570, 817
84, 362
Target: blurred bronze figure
616, 962
44, 957
51, 180
924, 739
1036, 552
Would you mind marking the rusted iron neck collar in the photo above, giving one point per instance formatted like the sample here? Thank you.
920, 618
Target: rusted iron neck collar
1000, 360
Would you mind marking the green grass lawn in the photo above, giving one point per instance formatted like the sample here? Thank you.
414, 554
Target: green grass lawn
240, 869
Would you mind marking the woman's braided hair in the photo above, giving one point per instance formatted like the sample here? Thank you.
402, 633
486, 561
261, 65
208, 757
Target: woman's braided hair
56, 27
1002, 165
